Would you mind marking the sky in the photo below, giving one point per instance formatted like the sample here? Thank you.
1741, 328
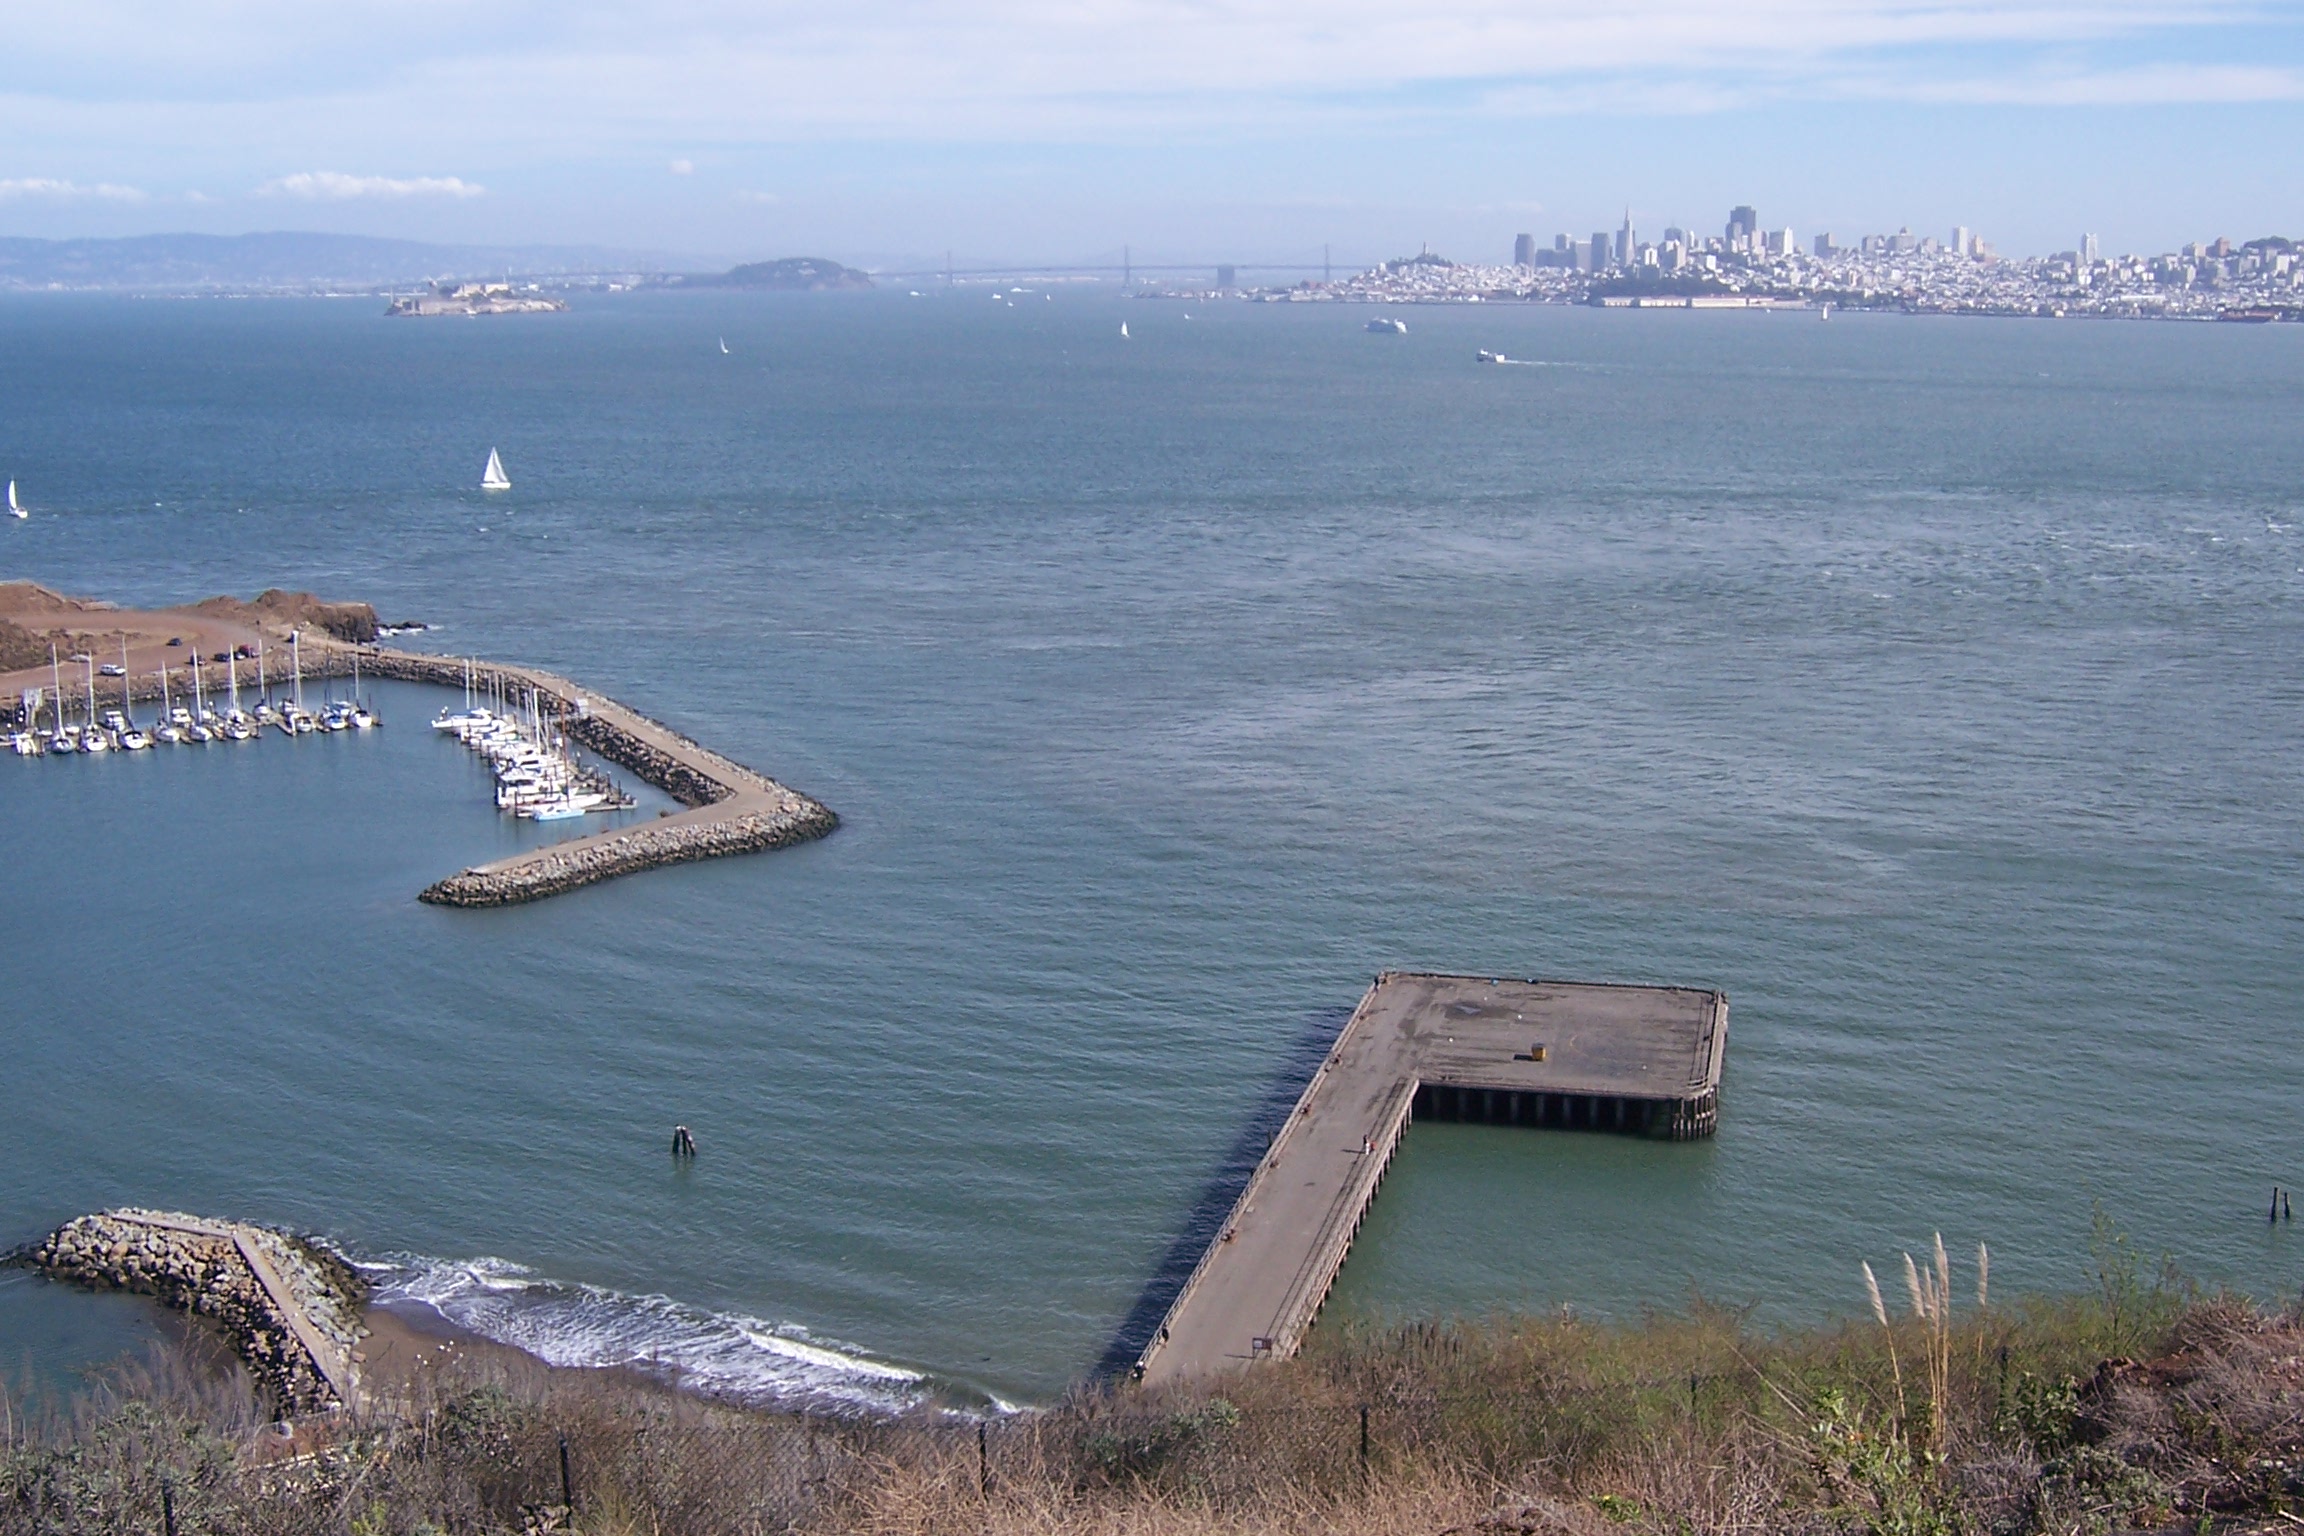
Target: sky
887, 131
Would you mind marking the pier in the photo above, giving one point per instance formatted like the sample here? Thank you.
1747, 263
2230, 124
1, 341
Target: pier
1643, 1061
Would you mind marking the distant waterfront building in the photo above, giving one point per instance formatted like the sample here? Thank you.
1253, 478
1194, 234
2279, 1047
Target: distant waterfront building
1962, 240
1743, 224
2088, 250
1824, 245
1524, 250
1599, 251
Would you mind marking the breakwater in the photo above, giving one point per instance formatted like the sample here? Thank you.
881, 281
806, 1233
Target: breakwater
288, 1307
730, 808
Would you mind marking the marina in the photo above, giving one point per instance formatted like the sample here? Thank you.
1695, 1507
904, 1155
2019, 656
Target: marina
538, 776
82, 719
1640, 1061
526, 724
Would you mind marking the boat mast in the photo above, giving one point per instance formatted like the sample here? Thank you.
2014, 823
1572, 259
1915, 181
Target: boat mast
296, 651
126, 699
56, 677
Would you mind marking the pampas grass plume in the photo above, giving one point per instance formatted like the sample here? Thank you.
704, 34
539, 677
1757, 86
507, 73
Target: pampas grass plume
1872, 1289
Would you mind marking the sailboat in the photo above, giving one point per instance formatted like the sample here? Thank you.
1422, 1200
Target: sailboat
493, 477
133, 737
723, 346
1123, 328
15, 507
65, 738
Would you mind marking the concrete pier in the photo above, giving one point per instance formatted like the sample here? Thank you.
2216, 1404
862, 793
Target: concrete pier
1635, 1060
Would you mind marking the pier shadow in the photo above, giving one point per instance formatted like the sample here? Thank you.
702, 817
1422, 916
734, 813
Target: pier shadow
1314, 1036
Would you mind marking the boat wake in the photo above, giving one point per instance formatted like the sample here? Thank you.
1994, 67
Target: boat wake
746, 1359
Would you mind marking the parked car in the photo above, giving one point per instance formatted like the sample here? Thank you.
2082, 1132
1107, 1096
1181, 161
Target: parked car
111, 669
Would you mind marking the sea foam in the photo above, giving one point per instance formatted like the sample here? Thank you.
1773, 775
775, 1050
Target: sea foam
730, 1355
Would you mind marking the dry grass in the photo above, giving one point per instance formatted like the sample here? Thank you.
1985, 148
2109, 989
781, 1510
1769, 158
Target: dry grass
2135, 1408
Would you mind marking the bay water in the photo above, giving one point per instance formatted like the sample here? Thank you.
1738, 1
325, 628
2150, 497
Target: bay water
1929, 685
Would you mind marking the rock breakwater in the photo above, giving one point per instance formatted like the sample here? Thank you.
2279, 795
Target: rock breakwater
731, 809
289, 1307
565, 867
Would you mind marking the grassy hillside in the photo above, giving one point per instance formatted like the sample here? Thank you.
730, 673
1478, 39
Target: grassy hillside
2139, 1406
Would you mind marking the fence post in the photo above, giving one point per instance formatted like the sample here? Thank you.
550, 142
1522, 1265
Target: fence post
567, 1487
983, 1461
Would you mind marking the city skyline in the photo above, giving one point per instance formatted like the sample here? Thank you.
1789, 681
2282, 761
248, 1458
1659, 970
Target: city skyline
1244, 129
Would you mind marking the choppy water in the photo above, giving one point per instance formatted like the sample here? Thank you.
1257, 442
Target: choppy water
1931, 686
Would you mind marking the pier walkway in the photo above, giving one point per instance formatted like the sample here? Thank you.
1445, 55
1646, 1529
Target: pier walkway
1636, 1060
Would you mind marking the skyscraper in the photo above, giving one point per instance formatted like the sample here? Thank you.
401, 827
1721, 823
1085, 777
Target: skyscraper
2088, 249
1626, 241
1742, 224
1524, 250
1599, 250
1961, 240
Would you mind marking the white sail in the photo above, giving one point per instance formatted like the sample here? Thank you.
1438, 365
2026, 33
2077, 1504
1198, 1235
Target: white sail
15, 507
723, 346
494, 478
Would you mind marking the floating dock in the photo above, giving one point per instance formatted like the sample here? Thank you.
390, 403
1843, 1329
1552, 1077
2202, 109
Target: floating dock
1641, 1061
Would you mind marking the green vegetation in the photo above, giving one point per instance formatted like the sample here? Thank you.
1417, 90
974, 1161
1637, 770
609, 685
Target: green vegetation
2138, 1406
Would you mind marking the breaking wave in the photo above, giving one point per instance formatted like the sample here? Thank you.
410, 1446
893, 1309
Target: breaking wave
727, 1355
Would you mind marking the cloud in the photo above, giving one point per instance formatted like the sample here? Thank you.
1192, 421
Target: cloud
335, 186
2146, 85
42, 186
570, 82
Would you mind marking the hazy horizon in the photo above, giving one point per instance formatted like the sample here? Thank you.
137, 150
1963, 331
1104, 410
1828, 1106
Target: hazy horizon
1236, 130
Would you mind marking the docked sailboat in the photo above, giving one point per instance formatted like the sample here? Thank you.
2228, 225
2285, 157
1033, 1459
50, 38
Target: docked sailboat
493, 477
133, 737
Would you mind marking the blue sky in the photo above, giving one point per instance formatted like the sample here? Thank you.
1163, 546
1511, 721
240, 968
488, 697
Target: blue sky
1249, 130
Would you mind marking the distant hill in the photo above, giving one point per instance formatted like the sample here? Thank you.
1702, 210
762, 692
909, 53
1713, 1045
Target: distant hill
290, 261
791, 273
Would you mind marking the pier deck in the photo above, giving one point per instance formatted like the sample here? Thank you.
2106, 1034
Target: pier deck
1638, 1060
